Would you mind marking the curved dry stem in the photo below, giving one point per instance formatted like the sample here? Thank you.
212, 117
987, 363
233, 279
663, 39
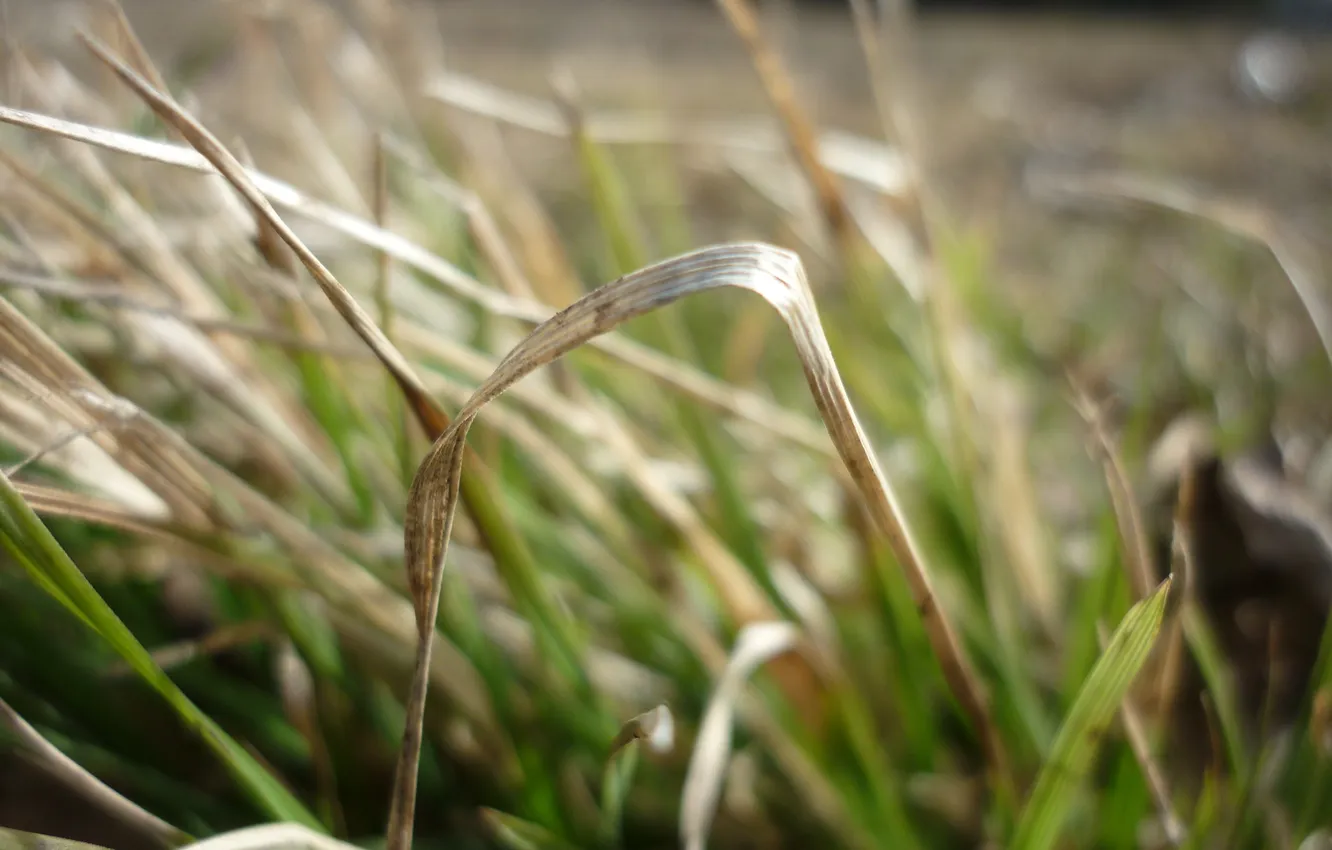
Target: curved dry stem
778, 276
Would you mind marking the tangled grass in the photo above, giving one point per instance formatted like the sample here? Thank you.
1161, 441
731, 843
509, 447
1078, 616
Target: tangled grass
399, 516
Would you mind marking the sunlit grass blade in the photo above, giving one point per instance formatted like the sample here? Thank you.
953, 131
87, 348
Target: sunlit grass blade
1085, 726
271, 836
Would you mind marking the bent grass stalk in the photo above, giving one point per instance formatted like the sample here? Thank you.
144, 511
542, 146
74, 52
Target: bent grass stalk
777, 276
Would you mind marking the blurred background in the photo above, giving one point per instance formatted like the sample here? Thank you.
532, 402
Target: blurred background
1233, 92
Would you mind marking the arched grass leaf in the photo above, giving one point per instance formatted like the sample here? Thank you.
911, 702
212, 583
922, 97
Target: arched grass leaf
1084, 728
778, 276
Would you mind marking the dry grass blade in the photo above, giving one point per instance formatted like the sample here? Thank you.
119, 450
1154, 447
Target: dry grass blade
51, 501
56, 444
224, 365
380, 202
63, 392
214, 643
777, 276
656, 727
76, 777
432, 418
14, 839
138, 55
128, 40
206, 144
1138, 564
523, 218
481, 225
199, 547
756, 644
692, 382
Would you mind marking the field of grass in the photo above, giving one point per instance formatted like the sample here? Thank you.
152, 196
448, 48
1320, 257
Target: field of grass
825, 512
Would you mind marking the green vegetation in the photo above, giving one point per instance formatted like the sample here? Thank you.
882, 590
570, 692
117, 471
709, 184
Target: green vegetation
224, 528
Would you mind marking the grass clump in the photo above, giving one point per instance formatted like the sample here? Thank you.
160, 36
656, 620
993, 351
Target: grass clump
399, 575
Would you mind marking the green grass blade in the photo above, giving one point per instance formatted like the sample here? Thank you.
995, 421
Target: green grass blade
28, 540
1081, 734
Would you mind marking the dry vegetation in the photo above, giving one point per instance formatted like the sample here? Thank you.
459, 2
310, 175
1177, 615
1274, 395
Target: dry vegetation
396, 457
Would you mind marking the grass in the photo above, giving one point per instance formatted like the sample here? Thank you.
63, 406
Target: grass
379, 516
